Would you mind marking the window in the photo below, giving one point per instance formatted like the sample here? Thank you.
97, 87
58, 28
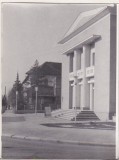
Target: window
80, 61
71, 63
93, 59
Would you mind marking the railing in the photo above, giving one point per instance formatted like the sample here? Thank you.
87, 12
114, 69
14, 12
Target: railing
79, 74
90, 71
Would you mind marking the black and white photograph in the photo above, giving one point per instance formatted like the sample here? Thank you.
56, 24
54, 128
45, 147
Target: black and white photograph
59, 80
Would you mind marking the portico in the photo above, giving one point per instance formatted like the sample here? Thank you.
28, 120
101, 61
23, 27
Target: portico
81, 75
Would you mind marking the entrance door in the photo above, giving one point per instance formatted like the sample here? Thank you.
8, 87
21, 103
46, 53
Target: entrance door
70, 95
91, 96
78, 96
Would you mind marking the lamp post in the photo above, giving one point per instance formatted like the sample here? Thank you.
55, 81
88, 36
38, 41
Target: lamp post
75, 96
36, 89
25, 97
16, 100
75, 85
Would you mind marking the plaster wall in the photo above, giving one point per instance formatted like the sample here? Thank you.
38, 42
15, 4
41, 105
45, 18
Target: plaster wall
102, 68
113, 66
65, 83
102, 64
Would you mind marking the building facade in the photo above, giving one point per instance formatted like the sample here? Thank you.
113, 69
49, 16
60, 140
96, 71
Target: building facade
46, 78
90, 78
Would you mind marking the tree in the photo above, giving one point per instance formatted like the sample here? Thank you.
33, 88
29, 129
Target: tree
4, 103
34, 73
12, 95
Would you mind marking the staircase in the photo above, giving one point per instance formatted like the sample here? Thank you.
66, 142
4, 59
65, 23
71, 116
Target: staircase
68, 114
86, 115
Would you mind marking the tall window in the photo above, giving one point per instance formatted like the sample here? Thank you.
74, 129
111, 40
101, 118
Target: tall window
80, 61
80, 58
93, 58
71, 62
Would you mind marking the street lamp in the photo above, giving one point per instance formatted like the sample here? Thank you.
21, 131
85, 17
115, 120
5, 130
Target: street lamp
36, 89
75, 96
16, 100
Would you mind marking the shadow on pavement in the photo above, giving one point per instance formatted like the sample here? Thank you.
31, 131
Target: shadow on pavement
89, 125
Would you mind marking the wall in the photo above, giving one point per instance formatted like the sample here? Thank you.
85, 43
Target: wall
102, 66
65, 82
102, 70
113, 66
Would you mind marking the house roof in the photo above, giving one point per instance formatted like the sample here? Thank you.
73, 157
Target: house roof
25, 80
47, 68
85, 19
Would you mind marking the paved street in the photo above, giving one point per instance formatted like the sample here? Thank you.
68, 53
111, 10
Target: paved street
18, 148
30, 125
36, 136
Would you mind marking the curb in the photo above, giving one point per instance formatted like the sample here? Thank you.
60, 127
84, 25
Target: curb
58, 141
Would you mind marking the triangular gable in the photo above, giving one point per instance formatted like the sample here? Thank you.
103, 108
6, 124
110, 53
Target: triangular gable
86, 19
83, 18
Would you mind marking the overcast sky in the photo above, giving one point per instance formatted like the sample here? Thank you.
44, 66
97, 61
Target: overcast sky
32, 31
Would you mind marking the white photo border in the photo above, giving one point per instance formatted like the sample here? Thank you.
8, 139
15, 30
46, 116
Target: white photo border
117, 60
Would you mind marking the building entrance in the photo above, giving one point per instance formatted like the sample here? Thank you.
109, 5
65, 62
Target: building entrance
91, 96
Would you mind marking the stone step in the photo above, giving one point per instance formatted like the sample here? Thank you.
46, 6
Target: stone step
86, 115
70, 115
82, 116
87, 112
65, 114
85, 119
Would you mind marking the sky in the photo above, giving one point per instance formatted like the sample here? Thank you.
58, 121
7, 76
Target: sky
32, 31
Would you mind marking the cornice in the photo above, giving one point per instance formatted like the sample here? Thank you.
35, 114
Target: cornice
86, 41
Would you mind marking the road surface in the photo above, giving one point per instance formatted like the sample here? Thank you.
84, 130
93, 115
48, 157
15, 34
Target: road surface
14, 148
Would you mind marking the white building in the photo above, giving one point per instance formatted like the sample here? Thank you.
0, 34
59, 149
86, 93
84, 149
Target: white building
90, 47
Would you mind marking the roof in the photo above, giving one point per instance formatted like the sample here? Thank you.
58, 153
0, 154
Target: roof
47, 68
85, 19
25, 80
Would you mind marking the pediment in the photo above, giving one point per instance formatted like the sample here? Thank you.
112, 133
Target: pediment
84, 20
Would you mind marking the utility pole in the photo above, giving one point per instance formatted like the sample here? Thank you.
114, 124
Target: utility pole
75, 97
16, 100
5, 90
75, 85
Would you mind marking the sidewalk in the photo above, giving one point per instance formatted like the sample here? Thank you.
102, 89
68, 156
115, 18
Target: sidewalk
34, 126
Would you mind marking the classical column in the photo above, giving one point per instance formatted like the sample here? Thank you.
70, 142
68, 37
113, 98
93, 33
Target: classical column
85, 87
76, 61
91, 58
75, 78
74, 93
75, 68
